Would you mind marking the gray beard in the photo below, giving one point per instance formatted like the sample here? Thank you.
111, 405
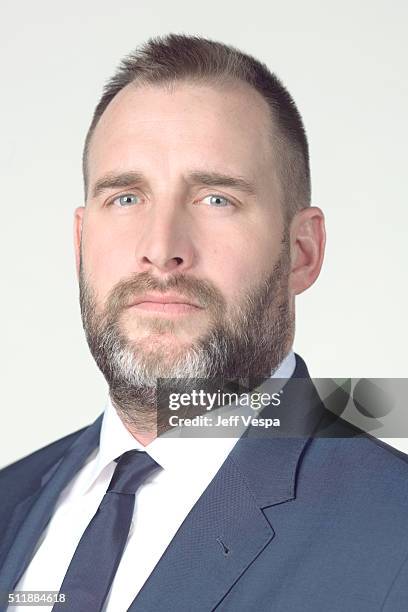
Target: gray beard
249, 344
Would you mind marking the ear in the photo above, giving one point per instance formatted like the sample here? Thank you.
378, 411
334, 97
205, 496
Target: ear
78, 216
308, 240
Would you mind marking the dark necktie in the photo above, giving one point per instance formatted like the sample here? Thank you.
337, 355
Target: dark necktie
97, 556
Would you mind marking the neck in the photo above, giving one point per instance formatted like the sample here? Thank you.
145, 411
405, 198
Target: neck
139, 415
143, 437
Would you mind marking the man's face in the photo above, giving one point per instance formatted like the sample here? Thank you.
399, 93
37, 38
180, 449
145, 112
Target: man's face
184, 205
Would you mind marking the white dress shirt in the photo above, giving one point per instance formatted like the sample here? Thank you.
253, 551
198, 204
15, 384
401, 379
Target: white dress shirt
162, 503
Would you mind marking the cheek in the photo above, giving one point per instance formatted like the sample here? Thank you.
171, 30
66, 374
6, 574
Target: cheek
234, 266
106, 260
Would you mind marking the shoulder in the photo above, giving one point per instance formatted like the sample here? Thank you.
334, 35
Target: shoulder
361, 470
21, 480
29, 470
357, 448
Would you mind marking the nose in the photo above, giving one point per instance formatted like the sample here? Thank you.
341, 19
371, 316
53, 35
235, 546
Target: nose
166, 243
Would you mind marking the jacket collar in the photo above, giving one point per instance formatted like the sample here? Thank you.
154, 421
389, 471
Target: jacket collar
268, 458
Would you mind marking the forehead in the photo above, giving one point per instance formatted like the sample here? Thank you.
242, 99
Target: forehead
222, 127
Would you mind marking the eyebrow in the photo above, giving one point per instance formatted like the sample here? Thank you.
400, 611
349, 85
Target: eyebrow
215, 179
116, 181
196, 178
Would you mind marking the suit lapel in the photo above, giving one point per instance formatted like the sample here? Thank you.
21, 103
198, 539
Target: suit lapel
32, 514
227, 529
224, 532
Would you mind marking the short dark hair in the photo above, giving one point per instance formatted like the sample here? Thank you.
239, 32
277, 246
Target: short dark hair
178, 57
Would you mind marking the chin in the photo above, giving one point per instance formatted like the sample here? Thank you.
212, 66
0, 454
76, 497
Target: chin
161, 336
163, 328
165, 347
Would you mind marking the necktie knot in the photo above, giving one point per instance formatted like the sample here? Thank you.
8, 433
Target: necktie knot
131, 471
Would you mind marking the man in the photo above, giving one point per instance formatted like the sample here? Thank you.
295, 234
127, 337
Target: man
196, 235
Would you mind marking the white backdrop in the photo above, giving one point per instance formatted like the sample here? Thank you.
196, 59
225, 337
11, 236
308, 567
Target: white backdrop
344, 63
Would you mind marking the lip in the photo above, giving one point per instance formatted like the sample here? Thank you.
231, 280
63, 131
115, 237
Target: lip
167, 303
163, 298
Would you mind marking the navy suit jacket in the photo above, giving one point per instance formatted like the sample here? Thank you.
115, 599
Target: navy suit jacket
303, 523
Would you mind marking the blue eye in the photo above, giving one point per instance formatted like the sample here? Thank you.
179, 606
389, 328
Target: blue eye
218, 201
126, 199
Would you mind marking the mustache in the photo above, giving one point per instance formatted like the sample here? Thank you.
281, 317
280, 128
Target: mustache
201, 290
